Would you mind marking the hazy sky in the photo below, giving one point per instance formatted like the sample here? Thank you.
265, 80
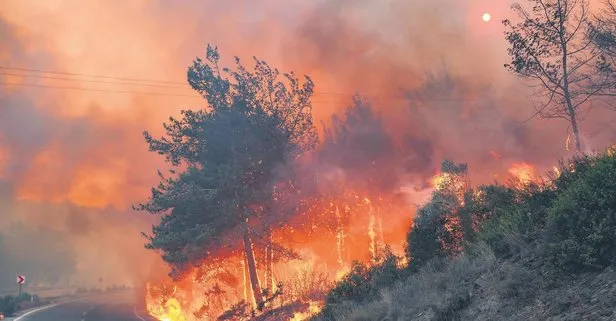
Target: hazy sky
76, 159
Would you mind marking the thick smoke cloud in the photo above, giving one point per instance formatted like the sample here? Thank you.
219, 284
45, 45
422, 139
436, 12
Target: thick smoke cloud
434, 73
39, 253
71, 161
58, 222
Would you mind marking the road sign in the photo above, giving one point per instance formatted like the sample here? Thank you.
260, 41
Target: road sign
21, 279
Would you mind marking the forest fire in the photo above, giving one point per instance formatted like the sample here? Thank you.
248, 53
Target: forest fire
327, 237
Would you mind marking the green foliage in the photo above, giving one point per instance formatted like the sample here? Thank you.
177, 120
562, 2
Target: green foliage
436, 231
482, 204
582, 221
569, 221
518, 215
11, 304
8, 305
363, 283
429, 238
228, 155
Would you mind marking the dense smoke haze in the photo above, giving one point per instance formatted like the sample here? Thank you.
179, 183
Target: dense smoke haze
72, 155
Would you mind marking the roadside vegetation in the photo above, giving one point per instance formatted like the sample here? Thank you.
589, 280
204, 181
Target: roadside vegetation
11, 304
534, 250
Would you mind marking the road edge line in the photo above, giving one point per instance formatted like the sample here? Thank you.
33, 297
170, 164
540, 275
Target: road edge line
35, 310
136, 314
46, 307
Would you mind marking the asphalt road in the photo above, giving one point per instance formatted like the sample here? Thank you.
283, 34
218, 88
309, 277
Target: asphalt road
108, 307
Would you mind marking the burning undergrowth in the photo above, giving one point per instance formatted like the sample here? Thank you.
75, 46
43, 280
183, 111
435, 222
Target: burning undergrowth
342, 203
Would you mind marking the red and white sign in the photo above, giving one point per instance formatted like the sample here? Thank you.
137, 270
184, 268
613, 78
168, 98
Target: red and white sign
21, 279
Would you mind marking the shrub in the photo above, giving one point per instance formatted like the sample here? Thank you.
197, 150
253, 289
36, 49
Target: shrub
8, 305
363, 284
24, 297
307, 284
430, 238
519, 220
582, 222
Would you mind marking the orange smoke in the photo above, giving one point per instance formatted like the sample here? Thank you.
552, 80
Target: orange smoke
65, 151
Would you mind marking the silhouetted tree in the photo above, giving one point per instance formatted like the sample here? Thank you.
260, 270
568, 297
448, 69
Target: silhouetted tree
603, 36
227, 155
550, 46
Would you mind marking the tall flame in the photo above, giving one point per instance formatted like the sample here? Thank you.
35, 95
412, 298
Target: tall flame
371, 230
339, 236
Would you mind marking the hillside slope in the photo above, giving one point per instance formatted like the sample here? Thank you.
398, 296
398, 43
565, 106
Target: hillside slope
483, 287
539, 251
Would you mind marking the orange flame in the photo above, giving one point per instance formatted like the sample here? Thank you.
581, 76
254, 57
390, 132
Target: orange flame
164, 309
524, 172
314, 307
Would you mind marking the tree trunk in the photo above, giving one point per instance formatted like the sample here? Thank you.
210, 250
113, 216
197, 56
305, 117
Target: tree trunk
252, 269
567, 93
269, 262
576, 131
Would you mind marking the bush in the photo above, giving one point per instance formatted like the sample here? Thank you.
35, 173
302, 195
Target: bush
433, 293
521, 220
363, 284
24, 297
582, 222
430, 238
8, 305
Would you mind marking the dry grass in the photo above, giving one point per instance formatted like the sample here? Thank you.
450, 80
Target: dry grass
438, 292
306, 284
481, 288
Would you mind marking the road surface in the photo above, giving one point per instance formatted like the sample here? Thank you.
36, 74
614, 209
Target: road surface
120, 306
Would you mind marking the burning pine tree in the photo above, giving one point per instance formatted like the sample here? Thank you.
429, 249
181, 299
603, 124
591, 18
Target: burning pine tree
219, 204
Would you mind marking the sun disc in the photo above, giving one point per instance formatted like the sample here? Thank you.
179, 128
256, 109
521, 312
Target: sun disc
486, 17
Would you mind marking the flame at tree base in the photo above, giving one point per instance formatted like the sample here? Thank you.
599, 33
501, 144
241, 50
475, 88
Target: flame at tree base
163, 308
314, 307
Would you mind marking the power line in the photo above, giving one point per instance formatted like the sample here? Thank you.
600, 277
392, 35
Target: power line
375, 101
99, 90
176, 83
92, 81
91, 76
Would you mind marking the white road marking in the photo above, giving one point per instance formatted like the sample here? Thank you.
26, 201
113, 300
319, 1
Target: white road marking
137, 314
37, 310
47, 307
83, 315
